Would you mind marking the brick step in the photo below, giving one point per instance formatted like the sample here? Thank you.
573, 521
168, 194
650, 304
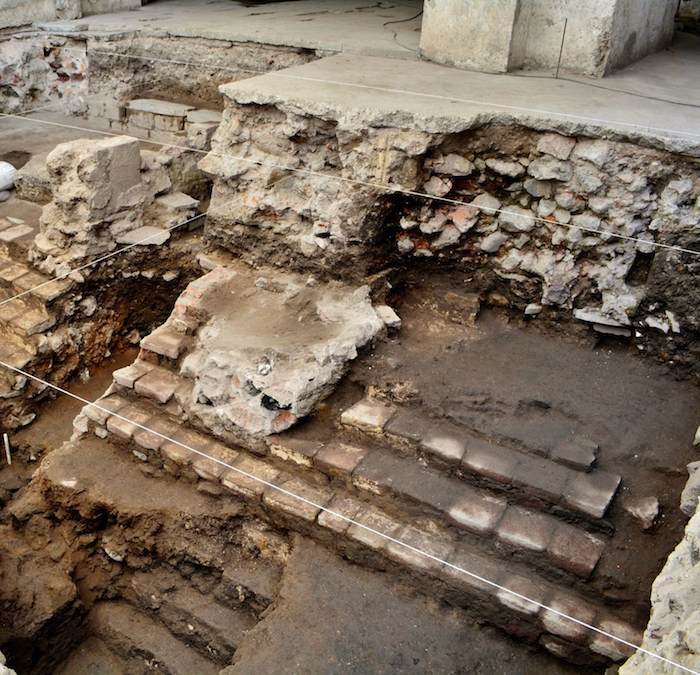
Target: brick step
213, 629
538, 481
403, 488
518, 617
146, 643
400, 482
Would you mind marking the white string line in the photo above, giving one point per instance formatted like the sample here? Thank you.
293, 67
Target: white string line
406, 92
370, 184
33, 110
351, 521
63, 275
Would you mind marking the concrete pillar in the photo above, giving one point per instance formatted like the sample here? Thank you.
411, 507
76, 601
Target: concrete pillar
502, 35
470, 34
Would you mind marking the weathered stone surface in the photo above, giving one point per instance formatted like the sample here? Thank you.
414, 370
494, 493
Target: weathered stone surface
672, 631
97, 196
691, 491
267, 364
368, 415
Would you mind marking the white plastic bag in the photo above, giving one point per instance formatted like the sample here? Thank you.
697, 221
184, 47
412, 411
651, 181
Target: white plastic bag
8, 173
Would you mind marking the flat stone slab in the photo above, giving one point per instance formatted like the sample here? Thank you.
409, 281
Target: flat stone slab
157, 107
144, 236
178, 201
368, 415
204, 116
364, 91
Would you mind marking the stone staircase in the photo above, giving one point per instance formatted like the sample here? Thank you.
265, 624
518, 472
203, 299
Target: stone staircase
532, 524
164, 622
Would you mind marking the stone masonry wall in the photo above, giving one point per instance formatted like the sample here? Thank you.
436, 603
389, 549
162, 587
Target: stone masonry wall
533, 227
42, 70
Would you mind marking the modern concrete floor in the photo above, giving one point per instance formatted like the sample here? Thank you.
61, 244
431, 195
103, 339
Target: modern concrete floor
335, 25
372, 91
657, 96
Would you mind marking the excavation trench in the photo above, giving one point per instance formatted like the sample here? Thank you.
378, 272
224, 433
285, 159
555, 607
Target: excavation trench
529, 416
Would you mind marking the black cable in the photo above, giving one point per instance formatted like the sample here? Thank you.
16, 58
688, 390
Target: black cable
600, 86
395, 35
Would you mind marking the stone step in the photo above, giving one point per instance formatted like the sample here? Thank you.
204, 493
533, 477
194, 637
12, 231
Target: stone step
537, 479
528, 534
32, 183
214, 630
23, 319
249, 581
134, 635
517, 616
18, 277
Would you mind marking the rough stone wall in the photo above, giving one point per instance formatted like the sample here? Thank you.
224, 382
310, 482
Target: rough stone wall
673, 630
38, 71
98, 198
534, 226
104, 194
21, 12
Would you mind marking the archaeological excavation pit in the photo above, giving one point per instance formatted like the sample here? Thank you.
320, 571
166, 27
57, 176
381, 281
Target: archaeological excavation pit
349, 338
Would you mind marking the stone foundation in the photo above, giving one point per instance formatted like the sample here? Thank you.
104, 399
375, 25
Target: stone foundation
533, 215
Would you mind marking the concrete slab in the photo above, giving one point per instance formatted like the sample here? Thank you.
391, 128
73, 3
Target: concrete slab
362, 91
312, 24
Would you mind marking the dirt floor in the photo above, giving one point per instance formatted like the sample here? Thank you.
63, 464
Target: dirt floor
531, 386
335, 617
54, 426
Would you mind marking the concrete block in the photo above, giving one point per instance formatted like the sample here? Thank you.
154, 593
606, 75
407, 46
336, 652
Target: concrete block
166, 342
294, 450
376, 520
446, 446
345, 506
575, 550
158, 384
339, 458
126, 377
490, 461
298, 508
204, 116
571, 606
425, 543
157, 107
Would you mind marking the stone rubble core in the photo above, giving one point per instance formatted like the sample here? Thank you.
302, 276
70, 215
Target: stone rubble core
538, 205
4, 668
259, 348
99, 201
